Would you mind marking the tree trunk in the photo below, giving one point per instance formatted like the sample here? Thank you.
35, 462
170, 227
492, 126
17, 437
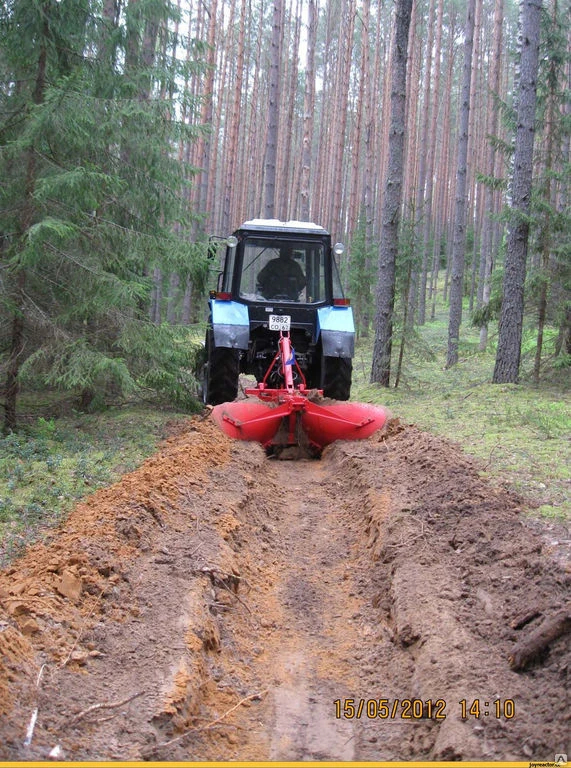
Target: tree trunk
381, 367
204, 143
172, 297
341, 110
511, 318
486, 257
308, 110
273, 113
360, 119
459, 244
231, 155
157, 297
549, 208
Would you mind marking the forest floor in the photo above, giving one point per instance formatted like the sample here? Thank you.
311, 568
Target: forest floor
215, 604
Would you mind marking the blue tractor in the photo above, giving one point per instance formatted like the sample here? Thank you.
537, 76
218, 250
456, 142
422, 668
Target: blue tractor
278, 277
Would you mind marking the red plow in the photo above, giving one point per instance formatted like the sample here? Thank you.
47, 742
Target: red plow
295, 415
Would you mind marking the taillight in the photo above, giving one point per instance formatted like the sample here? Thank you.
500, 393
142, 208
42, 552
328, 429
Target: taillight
223, 296
341, 302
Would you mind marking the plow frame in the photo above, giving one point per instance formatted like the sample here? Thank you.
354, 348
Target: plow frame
294, 418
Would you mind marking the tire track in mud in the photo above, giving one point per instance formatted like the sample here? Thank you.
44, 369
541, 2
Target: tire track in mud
313, 607
242, 597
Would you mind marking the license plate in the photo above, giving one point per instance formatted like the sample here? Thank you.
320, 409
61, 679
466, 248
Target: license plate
279, 322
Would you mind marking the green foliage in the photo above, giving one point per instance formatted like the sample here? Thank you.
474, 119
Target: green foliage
92, 194
490, 312
520, 433
408, 257
51, 463
493, 182
164, 359
362, 275
487, 313
76, 365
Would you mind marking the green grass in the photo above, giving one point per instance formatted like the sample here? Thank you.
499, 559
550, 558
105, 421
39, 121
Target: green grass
51, 463
521, 433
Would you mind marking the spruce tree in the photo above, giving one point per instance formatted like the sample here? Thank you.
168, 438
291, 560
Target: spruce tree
92, 198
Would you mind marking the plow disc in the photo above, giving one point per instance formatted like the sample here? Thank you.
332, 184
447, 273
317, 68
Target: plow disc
249, 420
280, 424
292, 415
323, 424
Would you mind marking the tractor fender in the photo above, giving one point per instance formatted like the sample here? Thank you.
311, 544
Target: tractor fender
336, 327
230, 323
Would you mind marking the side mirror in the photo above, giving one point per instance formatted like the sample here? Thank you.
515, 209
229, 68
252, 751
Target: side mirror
215, 240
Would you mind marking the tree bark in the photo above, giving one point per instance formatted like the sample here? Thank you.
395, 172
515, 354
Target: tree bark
204, 142
459, 244
487, 254
508, 355
230, 198
273, 113
381, 367
308, 109
531, 647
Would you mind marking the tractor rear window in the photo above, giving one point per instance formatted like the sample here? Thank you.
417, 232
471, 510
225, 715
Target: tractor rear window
283, 269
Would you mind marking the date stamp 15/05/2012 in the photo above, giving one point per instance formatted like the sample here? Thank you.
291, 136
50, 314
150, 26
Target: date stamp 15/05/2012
421, 709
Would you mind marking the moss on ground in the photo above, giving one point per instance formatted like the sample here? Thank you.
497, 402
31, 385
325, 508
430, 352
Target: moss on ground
51, 463
521, 433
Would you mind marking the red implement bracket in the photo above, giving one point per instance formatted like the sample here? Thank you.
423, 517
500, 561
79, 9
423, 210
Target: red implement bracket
293, 411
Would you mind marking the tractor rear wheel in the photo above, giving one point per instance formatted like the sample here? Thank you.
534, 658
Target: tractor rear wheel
336, 375
220, 375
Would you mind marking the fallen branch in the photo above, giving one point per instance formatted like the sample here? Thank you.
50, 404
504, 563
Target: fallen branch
528, 648
525, 618
234, 594
212, 568
103, 705
206, 727
34, 717
82, 630
31, 726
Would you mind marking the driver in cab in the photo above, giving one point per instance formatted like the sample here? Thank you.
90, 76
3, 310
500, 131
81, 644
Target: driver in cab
282, 277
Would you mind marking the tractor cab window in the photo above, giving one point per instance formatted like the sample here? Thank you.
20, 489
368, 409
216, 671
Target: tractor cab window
228, 270
283, 269
337, 287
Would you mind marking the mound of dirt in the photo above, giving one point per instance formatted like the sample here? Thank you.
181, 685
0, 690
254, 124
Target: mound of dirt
218, 605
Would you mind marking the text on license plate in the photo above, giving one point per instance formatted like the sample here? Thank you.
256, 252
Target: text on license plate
279, 322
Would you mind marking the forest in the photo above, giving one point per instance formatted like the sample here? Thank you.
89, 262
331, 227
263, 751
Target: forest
432, 138
170, 593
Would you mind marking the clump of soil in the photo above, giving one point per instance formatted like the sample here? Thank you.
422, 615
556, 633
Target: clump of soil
218, 605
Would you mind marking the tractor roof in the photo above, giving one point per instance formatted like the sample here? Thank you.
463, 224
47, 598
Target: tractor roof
274, 225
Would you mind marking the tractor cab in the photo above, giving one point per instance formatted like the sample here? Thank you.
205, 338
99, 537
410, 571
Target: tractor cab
279, 277
292, 262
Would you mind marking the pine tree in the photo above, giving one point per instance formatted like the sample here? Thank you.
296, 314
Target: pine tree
391, 215
511, 318
459, 244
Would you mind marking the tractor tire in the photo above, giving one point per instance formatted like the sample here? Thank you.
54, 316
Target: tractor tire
336, 375
220, 374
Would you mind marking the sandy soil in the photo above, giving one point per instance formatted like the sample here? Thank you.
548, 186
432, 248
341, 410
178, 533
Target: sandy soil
219, 605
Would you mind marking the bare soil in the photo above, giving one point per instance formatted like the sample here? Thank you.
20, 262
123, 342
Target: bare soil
216, 604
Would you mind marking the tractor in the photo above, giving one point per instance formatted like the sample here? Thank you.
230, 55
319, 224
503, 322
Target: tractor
279, 314
245, 314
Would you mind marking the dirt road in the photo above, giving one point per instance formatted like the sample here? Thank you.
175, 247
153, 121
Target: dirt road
219, 605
